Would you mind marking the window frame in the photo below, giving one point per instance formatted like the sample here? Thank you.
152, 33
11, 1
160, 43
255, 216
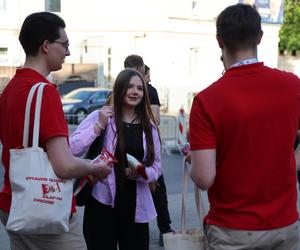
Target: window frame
53, 5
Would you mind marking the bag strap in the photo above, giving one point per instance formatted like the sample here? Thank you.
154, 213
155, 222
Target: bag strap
96, 146
198, 200
36, 126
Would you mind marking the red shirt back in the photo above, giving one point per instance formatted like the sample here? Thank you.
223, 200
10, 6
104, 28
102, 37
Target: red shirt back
250, 116
12, 111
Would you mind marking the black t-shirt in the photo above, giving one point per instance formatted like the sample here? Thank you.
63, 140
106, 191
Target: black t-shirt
125, 200
153, 96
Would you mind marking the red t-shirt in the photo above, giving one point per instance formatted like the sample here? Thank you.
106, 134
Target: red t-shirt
12, 111
250, 116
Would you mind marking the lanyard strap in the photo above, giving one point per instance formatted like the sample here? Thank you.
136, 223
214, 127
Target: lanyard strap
244, 62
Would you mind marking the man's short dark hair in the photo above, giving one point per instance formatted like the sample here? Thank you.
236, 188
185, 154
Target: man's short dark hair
239, 26
133, 62
37, 28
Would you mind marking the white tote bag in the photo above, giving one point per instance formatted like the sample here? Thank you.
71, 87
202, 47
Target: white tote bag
41, 202
187, 239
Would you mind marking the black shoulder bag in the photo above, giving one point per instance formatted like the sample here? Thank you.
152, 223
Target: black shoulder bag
84, 194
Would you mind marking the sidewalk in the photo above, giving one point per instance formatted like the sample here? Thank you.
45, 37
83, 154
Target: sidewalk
175, 211
173, 177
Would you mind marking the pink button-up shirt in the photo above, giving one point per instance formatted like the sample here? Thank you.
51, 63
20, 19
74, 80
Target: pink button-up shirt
104, 191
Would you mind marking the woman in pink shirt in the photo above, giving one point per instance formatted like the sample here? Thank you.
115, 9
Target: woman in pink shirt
121, 205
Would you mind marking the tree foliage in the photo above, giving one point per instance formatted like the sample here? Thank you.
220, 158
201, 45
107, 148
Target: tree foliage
290, 29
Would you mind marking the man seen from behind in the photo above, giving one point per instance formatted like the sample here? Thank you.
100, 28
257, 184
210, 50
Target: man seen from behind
242, 133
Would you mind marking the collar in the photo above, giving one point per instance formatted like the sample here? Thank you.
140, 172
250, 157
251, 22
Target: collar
30, 73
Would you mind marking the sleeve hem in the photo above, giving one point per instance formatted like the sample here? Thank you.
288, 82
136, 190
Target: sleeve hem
202, 147
56, 134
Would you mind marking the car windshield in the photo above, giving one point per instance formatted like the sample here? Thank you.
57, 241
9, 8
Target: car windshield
81, 95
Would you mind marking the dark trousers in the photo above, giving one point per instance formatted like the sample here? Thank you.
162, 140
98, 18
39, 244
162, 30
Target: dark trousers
161, 205
104, 228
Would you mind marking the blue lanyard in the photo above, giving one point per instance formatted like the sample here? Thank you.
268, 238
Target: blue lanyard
244, 62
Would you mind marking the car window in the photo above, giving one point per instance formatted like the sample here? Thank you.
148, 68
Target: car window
81, 95
99, 96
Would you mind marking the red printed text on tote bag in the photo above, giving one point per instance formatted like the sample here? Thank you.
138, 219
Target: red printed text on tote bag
50, 189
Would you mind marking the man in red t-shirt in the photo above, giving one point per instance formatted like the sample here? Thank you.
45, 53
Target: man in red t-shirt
242, 133
46, 45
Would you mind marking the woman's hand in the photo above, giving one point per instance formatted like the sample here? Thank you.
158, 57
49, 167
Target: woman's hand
131, 173
104, 113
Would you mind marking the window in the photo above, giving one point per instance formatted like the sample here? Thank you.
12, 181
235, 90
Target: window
3, 51
195, 8
190, 98
100, 96
2, 5
109, 64
193, 61
52, 5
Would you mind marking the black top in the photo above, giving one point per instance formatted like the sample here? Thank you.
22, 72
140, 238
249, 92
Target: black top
125, 201
153, 96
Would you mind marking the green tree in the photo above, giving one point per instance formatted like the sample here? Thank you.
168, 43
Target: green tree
290, 30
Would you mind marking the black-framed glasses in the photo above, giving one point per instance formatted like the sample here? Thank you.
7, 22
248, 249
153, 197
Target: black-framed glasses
64, 44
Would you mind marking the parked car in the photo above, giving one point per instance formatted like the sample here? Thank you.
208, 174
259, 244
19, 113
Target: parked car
80, 102
74, 82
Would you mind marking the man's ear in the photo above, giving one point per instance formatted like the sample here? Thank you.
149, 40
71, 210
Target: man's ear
45, 46
260, 35
220, 42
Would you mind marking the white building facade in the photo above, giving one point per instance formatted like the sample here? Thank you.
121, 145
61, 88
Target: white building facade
176, 38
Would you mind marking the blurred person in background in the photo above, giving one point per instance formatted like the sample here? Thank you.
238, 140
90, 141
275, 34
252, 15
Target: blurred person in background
153, 96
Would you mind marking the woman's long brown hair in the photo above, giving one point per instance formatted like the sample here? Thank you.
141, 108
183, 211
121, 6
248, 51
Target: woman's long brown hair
143, 112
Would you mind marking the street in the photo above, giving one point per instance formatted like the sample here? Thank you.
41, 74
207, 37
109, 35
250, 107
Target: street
172, 170
173, 174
